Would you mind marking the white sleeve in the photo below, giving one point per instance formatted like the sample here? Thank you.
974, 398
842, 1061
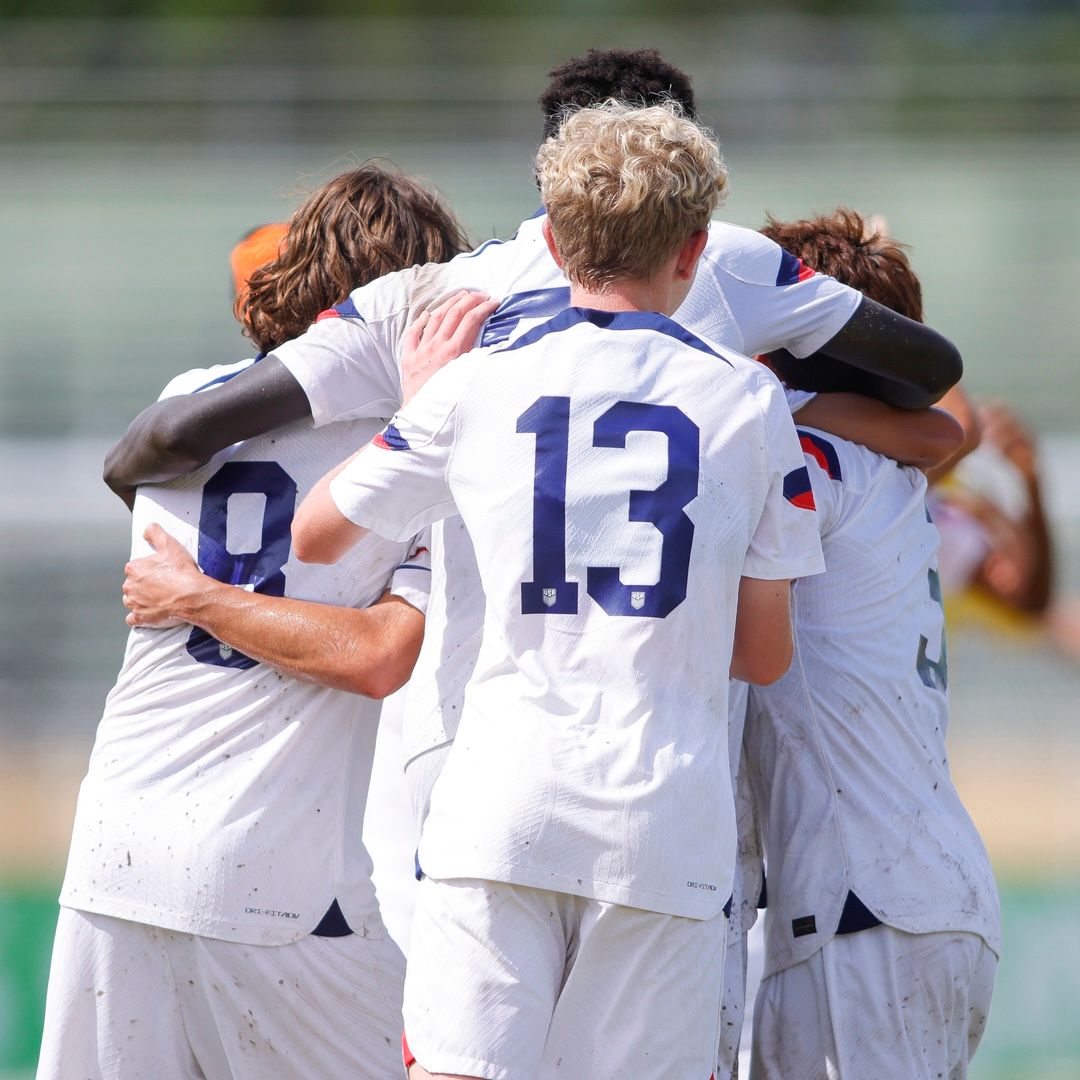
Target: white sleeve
786, 542
777, 301
346, 361
412, 579
796, 399
400, 482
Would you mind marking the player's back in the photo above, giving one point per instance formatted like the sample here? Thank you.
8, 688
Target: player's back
219, 789
613, 471
748, 295
848, 749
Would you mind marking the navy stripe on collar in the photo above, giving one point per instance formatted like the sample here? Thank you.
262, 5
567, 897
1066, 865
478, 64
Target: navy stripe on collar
615, 320
227, 376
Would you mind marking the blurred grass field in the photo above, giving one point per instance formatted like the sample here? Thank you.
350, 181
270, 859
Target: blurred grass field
132, 155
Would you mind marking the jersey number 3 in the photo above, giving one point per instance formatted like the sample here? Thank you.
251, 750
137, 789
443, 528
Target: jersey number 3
549, 592
260, 570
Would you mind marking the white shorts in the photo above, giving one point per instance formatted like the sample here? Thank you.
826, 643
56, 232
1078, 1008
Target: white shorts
127, 1000
507, 982
877, 1003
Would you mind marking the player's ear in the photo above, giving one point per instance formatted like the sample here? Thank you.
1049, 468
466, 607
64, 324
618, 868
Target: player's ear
549, 239
690, 252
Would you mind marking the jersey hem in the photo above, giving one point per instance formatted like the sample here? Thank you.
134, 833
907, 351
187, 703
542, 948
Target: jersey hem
166, 919
908, 925
603, 891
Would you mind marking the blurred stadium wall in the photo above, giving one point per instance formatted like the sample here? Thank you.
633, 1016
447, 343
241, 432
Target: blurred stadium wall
134, 152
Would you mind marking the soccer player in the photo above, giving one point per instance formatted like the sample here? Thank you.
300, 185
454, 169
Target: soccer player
882, 926
218, 916
626, 484
748, 294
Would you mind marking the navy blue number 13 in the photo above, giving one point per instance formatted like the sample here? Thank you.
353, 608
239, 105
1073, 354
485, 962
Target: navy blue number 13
664, 507
261, 569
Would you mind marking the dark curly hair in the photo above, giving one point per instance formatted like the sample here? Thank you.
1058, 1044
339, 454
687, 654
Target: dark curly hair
360, 225
635, 76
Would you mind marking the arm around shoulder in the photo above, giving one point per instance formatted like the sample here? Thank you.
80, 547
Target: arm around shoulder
177, 435
912, 364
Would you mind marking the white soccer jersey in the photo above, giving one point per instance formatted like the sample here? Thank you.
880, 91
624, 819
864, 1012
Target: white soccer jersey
847, 751
748, 294
618, 477
223, 797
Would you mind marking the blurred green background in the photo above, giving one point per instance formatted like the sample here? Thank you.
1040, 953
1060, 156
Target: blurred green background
135, 150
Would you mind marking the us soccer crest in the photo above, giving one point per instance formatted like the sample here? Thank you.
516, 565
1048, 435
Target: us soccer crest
637, 599
548, 596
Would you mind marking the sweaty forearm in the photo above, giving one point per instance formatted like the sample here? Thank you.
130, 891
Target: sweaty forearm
368, 651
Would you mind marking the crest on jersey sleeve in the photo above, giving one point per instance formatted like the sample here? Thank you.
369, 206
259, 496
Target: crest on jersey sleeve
391, 439
792, 270
798, 490
345, 310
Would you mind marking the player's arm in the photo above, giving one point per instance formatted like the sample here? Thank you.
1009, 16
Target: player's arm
905, 362
321, 533
763, 644
179, 434
919, 437
369, 651
962, 409
1020, 574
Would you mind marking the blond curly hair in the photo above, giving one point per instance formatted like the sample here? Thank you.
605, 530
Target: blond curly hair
625, 187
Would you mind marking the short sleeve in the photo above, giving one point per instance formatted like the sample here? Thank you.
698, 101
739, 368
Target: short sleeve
400, 482
411, 581
776, 300
346, 361
786, 542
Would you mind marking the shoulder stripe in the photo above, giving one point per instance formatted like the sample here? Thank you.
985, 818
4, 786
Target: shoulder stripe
345, 310
391, 439
227, 376
536, 304
798, 490
792, 269
483, 247
822, 451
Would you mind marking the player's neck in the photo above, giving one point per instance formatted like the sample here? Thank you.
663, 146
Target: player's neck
652, 294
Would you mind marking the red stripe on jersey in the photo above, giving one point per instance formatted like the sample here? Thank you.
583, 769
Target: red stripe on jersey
380, 442
805, 501
329, 313
805, 271
407, 1055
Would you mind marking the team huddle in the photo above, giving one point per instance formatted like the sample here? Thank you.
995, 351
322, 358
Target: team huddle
635, 502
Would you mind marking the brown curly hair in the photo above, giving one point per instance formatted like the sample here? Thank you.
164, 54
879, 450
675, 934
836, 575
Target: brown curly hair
635, 76
362, 224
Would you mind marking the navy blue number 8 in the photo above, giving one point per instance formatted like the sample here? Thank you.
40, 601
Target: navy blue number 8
549, 592
261, 569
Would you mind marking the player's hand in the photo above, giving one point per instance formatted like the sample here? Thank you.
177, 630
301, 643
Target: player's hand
157, 585
440, 334
1002, 429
